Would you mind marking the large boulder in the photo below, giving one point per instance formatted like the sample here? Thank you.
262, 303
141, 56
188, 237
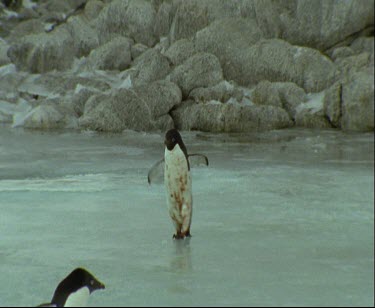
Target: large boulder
200, 70
4, 59
223, 92
142, 108
180, 50
48, 116
58, 84
114, 55
148, 67
311, 113
332, 104
39, 53
358, 102
130, 18
229, 117
281, 94
323, 23
84, 36
255, 59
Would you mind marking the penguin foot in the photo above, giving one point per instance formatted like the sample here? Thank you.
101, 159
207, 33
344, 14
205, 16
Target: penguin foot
181, 236
178, 236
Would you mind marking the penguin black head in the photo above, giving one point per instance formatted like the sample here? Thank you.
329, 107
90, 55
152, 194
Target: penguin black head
76, 280
173, 137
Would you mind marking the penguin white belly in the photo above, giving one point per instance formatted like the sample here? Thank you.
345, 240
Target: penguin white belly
78, 298
177, 181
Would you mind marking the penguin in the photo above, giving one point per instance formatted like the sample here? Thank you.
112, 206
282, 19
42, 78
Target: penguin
74, 290
177, 180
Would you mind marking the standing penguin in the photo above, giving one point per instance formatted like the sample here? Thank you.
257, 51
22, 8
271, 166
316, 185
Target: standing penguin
74, 290
177, 181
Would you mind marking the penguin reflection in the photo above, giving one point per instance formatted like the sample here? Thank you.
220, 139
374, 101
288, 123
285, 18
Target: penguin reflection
181, 260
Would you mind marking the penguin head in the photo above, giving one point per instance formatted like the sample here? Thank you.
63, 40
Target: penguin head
78, 279
173, 137
82, 278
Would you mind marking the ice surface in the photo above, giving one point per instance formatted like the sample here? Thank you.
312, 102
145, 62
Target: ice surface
283, 218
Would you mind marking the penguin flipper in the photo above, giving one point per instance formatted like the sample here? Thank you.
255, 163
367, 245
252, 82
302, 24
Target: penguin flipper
196, 159
156, 172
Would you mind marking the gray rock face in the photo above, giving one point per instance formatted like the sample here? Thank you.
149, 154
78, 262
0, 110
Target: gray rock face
332, 104
84, 36
149, 67
130, 18
219, 117
180, 51
225, 39
222, 92
200, 70
49, 117
311, 114
141, 108
4, 59
358, 102
321, 24
44, 52
255, 59
248, 64
114, 55
93, 8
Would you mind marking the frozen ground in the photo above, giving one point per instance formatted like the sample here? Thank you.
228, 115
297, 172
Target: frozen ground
283, 218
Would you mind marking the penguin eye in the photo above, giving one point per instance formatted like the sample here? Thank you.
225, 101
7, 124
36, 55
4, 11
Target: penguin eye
92, 282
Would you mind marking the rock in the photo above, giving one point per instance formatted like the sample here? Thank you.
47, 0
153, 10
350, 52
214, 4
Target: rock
4, 59
321, 24
194, 15
349, 65
142, 108
222, 92
332, 104
286, 95
218, 117
358, 102
200, 70
225, 39
93, 8
133, 18
137, 50
84, 36
191, 16
27, 27
79, 98
311, 114
341, 52
163, 19
180, 50
266, 94
149, 67
114, 55
291, 96
58, 84
250, 61
363, 44
39, 53
48, 117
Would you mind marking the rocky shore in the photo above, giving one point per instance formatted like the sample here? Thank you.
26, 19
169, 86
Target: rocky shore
209, 65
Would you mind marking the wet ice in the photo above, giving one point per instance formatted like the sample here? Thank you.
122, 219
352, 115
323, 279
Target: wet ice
280, 218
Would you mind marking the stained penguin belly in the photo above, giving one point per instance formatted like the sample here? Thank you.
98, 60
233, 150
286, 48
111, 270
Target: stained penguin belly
178, 188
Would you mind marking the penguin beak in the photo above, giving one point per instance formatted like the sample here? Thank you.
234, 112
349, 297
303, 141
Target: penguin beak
101, 285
